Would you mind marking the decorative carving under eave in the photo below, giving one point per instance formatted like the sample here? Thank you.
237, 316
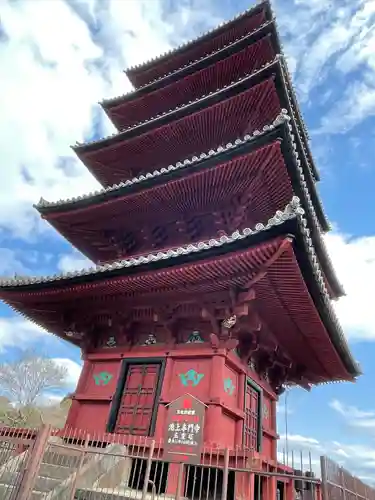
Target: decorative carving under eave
73, 331
247, 348
223, 343
209, 314
151, 339
229, 323
297, 374
168, 319
111, 342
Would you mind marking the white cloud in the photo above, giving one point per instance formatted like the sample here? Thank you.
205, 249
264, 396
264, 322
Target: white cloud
10, 263
73, 262
350, 412
73, 370
304, 452
339, 39
53, 75
354, 261
281, 409
51, 82
17, 332
355, 417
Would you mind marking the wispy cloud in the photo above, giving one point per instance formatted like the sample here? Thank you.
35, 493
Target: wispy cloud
19, 333
331, 47
73, 370
58, 71
73, 262
58, 79
355, 417
304, 452
355, 310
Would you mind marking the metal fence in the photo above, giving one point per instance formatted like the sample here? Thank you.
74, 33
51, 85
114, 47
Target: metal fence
339, 484
52, 464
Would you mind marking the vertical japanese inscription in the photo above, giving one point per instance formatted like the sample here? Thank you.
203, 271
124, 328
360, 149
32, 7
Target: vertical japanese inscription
184, 430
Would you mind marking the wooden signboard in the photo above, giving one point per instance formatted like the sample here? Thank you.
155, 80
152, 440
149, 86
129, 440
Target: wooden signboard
184, 430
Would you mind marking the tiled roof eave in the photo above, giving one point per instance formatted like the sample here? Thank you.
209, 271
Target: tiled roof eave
43, 204
151, 62
290, 88
133, 94
278, 60
201, 99
331, 275
291, 211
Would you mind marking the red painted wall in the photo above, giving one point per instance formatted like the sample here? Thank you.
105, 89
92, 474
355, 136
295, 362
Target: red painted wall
216, 378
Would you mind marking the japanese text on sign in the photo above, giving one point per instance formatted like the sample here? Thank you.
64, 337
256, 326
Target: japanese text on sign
184, 429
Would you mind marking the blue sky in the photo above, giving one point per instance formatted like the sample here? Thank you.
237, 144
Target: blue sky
54, 73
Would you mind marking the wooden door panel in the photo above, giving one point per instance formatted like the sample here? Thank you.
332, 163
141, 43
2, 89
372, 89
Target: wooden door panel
252, 405
138, 399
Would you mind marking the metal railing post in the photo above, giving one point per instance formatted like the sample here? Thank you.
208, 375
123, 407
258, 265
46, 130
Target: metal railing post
148, 469
179, 481
33, 462
323, 468
224, 490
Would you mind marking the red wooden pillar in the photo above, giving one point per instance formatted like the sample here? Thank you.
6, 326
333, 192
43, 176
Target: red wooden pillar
33, 462
212, 431
289, 490
164, 396
244, 486
270, 488
176, 480
213, 413
241, 404
217, 377
74, 407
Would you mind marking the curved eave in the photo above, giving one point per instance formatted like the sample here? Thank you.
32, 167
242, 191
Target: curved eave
301, 188
288, 222
158, 61
235, 88
271, 132
285, 93
267, 28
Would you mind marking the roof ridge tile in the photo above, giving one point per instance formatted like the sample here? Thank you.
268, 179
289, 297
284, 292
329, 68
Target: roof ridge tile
225, 46
292, 210
281, 118
197, 39
181, 106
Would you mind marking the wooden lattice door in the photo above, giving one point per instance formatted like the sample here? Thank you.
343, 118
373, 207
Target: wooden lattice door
252, 417
138, 399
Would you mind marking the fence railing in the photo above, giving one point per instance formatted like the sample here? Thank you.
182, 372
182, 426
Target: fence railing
71, 464
339, 484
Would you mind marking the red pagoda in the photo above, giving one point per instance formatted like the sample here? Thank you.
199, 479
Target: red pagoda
211, 274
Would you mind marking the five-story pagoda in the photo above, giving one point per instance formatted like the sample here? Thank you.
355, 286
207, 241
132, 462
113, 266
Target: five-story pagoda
212, 276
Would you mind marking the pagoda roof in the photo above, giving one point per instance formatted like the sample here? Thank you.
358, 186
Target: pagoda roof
278, 258
198, 80
213, 39
236, 164
145, 146
261, 42
267, 28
